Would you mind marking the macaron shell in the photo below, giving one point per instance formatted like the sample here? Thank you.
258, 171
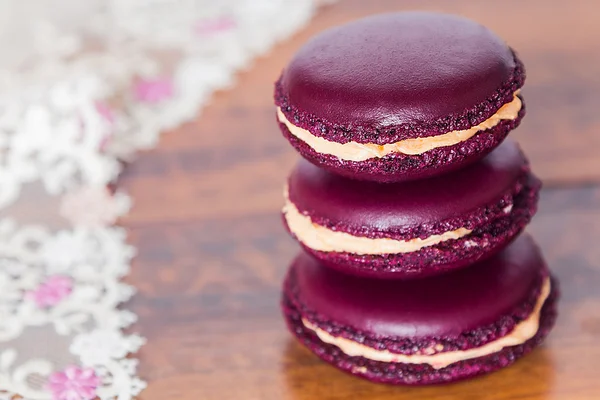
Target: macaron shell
408, 209
440, 306
395, 76
401, 167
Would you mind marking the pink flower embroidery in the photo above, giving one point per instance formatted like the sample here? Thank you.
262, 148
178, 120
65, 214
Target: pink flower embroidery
105, 111
211, 26
153, 90
74, 383
52, 291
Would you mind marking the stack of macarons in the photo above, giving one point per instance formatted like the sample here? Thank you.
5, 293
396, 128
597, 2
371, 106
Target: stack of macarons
409, 203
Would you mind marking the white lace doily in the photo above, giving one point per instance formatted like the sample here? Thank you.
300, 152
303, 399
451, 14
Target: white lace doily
83, 86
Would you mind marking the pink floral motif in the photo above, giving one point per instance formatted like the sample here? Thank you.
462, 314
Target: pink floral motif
153, 90
105, 111
74, 383
209, 27
52, 291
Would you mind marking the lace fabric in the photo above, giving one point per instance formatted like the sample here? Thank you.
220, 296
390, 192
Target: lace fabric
83, 87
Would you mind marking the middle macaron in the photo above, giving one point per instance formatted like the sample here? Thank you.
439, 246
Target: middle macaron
412, 229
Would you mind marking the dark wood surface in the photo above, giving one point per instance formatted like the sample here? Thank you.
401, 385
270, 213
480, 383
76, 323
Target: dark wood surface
212, 252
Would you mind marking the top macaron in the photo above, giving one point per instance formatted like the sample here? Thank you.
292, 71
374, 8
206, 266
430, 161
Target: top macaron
400, 96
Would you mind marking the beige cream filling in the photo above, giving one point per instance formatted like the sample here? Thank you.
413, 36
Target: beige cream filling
320, 238
522, 332
354, 151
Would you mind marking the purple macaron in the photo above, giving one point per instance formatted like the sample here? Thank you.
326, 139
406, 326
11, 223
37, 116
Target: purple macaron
416, 228
400, 96
433, 330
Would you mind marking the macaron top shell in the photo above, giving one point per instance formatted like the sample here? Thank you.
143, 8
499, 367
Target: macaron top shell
430, 206
441, 306
396, 76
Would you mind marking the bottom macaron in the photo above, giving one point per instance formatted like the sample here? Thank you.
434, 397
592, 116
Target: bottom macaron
433, 330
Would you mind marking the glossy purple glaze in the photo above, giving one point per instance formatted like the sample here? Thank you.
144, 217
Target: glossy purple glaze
393, 76
406, 210
441, 306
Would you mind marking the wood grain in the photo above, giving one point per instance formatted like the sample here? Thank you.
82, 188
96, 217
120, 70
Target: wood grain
212, 251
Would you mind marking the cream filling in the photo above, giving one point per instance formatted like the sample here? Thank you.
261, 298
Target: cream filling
522, 332
354, 151
320, 238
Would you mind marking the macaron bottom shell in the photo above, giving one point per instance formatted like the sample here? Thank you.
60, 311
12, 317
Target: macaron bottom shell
401, 167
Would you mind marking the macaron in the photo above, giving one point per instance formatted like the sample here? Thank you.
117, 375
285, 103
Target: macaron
400, 96
433, 330
416, 228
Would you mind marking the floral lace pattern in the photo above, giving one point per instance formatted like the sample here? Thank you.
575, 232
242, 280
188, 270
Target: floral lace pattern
76, 100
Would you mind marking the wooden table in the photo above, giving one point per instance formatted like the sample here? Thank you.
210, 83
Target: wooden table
212, 251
